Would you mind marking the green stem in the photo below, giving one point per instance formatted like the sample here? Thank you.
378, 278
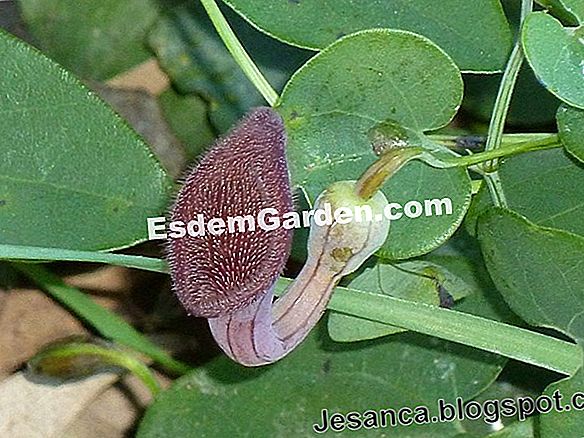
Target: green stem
507, 151
501, 109
36, 253
394, 159
493, 336
110, 325
458, 141
474, 331
381, 170
60, 360
238, 52
495, 187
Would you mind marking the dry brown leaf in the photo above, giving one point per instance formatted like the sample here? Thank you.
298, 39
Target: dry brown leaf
28, 321
147, 76
110, 280
30, 410
115, 412
112, 287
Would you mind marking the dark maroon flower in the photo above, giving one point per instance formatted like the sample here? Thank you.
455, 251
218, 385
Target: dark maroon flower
243, 173
229, 277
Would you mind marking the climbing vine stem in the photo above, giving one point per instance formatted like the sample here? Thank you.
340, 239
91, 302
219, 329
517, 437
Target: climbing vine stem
238, 52
501, 110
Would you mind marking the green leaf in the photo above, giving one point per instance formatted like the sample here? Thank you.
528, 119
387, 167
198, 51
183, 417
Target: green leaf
571, 130
414, 281
315, 24
419, 182
575, 7
73, 174
359, 84
193, 55
320, 375
95, 40
565, 423
388, 66
537, 270
506, 427
556, 55
188, 118
570, 10
547, 187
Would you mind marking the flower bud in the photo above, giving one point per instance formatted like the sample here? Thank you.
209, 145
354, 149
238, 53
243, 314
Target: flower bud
343, 247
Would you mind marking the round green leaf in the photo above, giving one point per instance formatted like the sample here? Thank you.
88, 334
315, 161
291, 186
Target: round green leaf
72, 174
556, 55
565, 423
419, 182
574, 7
571, 130
92, 39
334, 102
286, 398
547, 187
571, 11
537, 270
315, 24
